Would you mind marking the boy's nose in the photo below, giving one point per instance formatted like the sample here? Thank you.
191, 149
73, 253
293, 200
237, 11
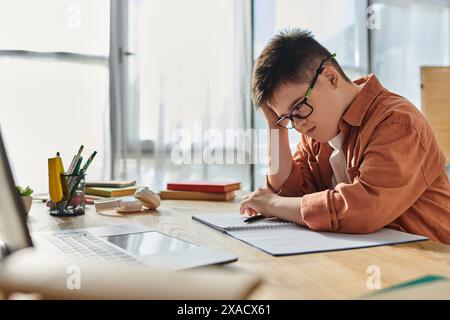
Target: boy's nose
301, 123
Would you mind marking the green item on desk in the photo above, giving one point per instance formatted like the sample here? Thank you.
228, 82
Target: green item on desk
24, 192
88, 163
412, 283
77, 166
74, 173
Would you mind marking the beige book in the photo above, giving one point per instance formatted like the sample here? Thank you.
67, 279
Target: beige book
110, 183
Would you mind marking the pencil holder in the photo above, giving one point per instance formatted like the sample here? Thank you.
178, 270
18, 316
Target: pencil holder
75, 203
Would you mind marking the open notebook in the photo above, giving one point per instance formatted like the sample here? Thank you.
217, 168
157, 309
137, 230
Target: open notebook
279, 238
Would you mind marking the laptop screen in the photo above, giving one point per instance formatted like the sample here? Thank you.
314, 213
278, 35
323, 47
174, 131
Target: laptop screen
13, 228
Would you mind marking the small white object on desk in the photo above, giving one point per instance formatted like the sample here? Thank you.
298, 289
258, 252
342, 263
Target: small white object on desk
142, 197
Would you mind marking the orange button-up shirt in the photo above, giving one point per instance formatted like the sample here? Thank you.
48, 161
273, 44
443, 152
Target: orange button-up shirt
396, 168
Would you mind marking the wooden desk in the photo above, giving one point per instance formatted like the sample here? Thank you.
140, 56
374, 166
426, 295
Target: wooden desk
435, 100
332, 275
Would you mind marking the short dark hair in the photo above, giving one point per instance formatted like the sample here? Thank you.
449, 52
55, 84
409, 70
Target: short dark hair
292, 55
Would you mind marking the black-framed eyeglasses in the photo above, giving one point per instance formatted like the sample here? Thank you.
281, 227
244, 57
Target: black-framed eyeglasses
302, 109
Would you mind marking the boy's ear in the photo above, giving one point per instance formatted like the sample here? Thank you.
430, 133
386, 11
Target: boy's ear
331, 75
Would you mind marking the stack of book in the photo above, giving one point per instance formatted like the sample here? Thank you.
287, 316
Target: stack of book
111, 189
215, 191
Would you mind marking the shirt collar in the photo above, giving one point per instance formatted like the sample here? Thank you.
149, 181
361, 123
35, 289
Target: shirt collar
336, 142
358, 108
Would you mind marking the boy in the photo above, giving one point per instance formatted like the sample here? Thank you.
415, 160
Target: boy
367, 158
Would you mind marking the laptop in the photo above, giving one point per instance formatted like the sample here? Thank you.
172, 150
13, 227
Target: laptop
130, 243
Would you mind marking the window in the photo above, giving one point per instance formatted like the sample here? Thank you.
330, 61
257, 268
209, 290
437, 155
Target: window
54, 84
410, 34
193, 75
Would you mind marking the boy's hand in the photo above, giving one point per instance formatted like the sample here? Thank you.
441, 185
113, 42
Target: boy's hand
260, 201
271, 205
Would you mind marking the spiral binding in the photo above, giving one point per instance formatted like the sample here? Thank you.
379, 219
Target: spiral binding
253, 227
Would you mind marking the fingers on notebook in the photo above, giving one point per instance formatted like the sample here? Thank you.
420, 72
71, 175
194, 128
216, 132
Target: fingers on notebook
247, 210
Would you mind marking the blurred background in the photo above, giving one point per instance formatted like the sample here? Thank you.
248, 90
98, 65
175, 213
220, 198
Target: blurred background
121, 76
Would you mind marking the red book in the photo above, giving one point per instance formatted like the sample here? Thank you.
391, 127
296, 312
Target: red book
199, 186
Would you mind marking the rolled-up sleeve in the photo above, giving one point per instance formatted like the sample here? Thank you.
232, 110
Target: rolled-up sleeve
390, 180
300, 181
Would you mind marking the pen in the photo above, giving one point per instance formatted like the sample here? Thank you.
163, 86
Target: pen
75, 160
88, 162
75, 172
72, 168
254, 218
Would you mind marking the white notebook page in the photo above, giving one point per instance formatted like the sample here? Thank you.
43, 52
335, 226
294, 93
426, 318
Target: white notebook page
282, 238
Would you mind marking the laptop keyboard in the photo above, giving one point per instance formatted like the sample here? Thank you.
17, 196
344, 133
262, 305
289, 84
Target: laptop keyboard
83, 245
